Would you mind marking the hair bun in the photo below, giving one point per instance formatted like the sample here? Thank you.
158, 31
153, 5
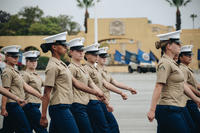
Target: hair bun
157, 44
44, 47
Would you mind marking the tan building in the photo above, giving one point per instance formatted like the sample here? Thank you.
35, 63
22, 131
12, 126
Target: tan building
119, 34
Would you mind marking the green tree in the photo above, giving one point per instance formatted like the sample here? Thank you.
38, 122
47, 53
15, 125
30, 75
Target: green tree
63, 21
178, 4
38, 29
73, 28
60, 24
86, 4
14, 26
193, 16
4, 16
31, 14
52, 24
29, 21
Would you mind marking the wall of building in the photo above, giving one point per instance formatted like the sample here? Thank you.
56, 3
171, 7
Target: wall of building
125, 34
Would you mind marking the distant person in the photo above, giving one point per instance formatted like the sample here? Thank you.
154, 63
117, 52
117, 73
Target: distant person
95, 110
185, 58
102, 56
2, 63
32, 78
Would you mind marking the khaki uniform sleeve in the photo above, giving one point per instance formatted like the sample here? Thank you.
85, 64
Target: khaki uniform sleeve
163, 71
90, 81
185, 73
25, 77
72, 70
111, 79
107, 77
103, 75
6, 78
51, 74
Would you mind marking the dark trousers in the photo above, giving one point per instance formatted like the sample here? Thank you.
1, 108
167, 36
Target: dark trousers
6, 126
97, 117
16, 121
33, 115
62, 120
194, 112
79, 112
112, 122
173, 119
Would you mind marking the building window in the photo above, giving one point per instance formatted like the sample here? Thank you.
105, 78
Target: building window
113, 41
108, 41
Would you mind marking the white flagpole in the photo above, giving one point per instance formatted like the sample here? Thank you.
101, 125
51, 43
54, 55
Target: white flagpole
95, 23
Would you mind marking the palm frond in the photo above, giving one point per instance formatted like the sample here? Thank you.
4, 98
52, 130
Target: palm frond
171, 4
90, 3
80, 4
86, 3
188, 1
193, 15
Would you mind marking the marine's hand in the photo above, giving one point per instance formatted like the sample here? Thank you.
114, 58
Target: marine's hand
21, 102
44, 122
109, 108
133, 91
151, 115
4, 112
124, 96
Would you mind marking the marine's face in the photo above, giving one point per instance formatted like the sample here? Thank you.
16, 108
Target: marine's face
31, 64
77, 54
186, 59
13, 60
176, 58
60, 49
92, 58
175, 48
101, 61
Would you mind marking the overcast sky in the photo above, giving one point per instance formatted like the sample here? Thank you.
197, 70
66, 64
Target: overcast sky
158, 11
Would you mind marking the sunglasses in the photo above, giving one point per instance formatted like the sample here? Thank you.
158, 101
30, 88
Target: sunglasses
103, 57
187, 55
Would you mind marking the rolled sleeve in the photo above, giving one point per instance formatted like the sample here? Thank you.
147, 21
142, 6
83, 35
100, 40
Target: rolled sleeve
26, 78
50, 74
6, 78
163, 71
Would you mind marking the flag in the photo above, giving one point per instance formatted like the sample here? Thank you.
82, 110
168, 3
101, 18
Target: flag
118, 56
20, 59
130, 57
143, 57
153, 57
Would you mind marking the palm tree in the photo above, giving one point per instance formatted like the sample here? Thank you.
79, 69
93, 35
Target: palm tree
178, 4
86, 4
193, 16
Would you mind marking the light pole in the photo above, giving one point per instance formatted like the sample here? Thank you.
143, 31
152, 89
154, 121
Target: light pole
193, 16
